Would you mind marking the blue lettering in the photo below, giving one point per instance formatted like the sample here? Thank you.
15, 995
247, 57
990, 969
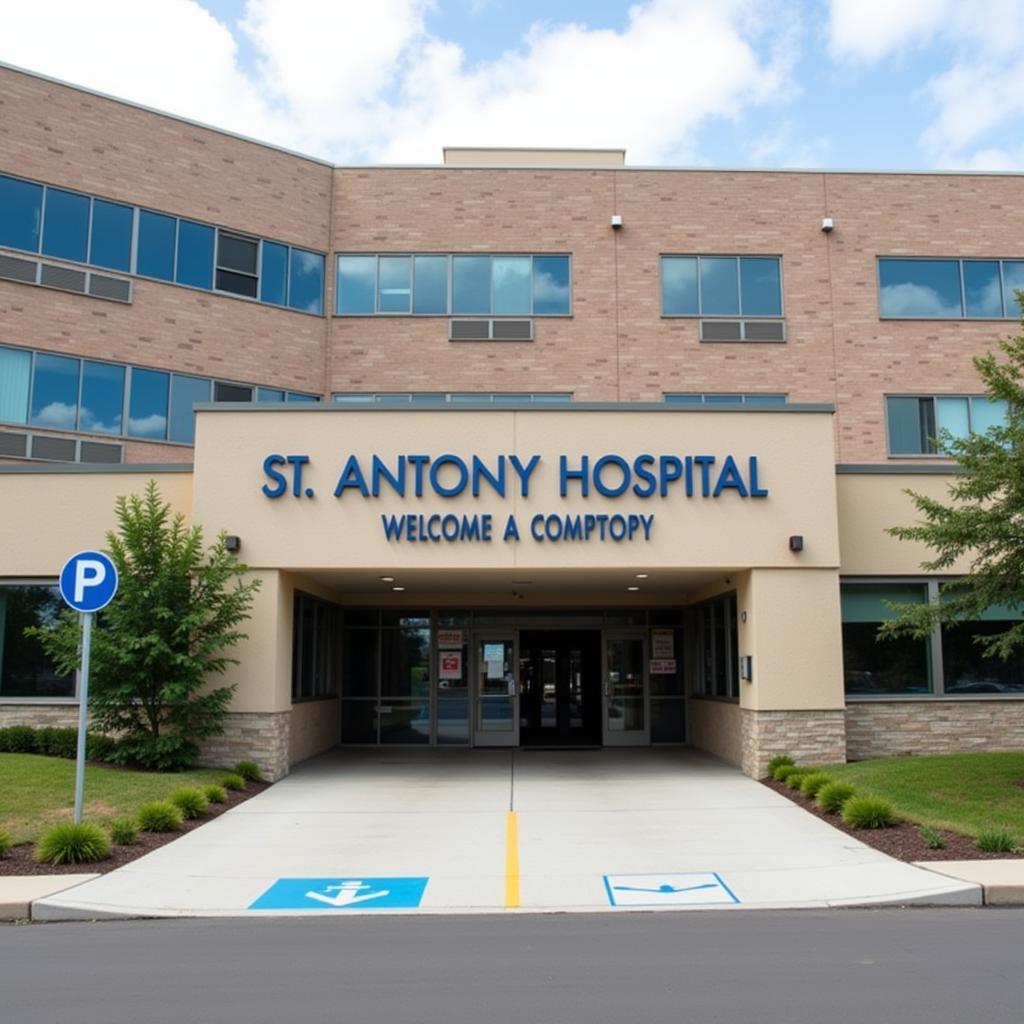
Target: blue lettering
537, 527
565, 474
640, 464
449, 491
396, 480
623, 466
280, 483
524, 472
705, 462
730, 477
419, 461
393, 526
481, 472
351, 476
511, 529
755, 490
670, 468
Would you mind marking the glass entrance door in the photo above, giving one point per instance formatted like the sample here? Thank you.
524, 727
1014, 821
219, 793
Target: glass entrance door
626, 712
497, 702
559, 687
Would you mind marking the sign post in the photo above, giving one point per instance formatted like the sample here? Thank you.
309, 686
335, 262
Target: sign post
88, 582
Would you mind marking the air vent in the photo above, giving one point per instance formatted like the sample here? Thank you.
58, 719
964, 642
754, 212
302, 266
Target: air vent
490, 330
12, 269
63, 278
53, 449
97, 451
115, 288
13, 445
742, 330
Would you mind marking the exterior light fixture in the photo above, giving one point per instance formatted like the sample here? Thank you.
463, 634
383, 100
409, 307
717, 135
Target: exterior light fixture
796, 543
616, 221
232, 542
827, 224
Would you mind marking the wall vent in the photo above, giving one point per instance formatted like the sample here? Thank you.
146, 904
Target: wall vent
65, 279
19, 445
490, 330
53, 449
97, 451
13, 445
115, 288
13, 269
742, 330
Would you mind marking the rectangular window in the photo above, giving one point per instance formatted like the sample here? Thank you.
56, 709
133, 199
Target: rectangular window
357, 285
237, 261
748, 286
965, 669
982, 290
66, 225
269, 395
700, 398
185, 392
471, 285
274, 274
315, 648
55, 392
394, 284
551, 286
1013, 282
25, 669
874, 667
717, 646
512, 285
155, 256
15, 375
916, 424
224, 392
21, 213
195, 255
306, 281
110, 236
430, 277
948, 288
147, 404
297, 396
102, 398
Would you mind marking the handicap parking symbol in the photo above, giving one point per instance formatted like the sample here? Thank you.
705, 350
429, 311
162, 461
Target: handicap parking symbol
359, 893
686, 889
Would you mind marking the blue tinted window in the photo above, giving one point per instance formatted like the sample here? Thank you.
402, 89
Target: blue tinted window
102, 398
294, 396
919, 288
269, 395
156, 246
15, 367
147, 407
195, 254
1013, 280
512, 284
306, 281
911, 424
551, 291
685, 399
679, 286
471, 284
186, 391
66, 225
430, 284
21, 206
55, 392
394, 282
982, 291
110, 243
764, 399
274, 274
357, 284
719, 294
760, 286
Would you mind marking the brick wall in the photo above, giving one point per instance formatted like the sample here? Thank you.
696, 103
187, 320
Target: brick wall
895, 728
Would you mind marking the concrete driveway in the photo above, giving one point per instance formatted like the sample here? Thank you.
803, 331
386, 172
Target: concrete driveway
452, 831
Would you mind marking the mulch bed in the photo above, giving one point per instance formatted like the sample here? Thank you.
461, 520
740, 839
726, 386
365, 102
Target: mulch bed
901, 841
21, 862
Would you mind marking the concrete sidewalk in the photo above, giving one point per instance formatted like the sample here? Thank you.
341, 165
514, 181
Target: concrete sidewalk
479, 831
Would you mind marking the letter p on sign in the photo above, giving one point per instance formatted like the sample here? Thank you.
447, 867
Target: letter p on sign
88, 581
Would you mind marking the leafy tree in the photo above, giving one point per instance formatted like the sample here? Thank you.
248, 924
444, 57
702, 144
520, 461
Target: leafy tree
176, 613
983, 521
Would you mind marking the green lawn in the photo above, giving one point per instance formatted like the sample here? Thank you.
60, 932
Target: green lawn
37, 791
960, 792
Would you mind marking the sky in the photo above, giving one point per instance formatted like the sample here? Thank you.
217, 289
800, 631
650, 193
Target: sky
883, 84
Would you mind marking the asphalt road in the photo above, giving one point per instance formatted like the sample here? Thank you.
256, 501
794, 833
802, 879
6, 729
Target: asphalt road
809, 967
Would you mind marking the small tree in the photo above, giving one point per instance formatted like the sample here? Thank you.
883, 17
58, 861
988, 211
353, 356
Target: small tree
983, 521
176, 612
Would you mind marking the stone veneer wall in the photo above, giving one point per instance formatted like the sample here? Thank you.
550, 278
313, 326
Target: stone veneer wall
894, 728
811, 737
716, 726
39, 715
262, 737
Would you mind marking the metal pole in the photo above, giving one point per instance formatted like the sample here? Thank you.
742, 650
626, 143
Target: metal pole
83, 714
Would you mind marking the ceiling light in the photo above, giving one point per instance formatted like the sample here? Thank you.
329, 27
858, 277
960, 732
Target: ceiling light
641, 575
398, 588
387, 579
632, 588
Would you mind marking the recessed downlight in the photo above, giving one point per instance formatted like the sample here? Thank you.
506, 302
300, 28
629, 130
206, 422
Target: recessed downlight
632, 588
387, 579
641, 575
398, 589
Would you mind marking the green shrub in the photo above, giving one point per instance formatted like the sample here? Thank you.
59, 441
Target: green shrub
868, 812
6, 842
18, 739
249, 770
235, 782
215, 794
159, 816
932, 839
833, 795
124, 832
99, 747
53, 742
777, 762
795, 779
810, 784
190, 801
996, 840
68, 843
783, 771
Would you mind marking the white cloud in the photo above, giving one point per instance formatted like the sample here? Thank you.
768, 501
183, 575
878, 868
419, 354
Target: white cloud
355, 82
981, 91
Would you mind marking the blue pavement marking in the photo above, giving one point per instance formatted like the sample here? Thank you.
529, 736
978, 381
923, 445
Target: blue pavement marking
345, 893
688, 888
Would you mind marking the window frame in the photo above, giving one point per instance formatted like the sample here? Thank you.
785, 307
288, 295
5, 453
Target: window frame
449, 285
323, 689
960, 261
970, 397
700, 315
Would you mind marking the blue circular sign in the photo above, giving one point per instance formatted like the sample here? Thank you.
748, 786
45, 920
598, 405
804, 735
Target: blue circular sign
88, 581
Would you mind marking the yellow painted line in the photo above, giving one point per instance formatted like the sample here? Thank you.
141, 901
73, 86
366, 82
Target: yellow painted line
511, 860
